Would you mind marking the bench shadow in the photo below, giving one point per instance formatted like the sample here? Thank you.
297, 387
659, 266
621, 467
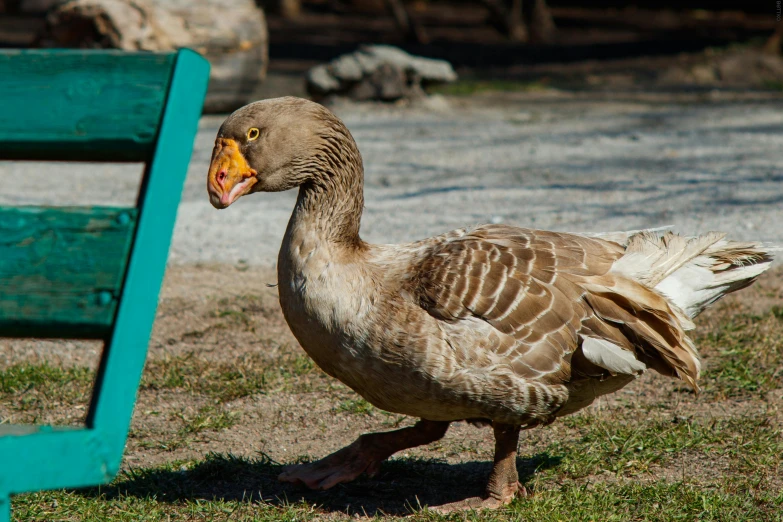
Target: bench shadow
402, 486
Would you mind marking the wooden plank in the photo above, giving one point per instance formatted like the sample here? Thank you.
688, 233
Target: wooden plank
53, 459
83, 457
120, 370
61, 269
81, 105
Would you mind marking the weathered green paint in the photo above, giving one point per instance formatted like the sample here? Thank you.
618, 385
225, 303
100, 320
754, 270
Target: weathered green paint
52, 459
123, 359
47, 458
61, 269
85, 105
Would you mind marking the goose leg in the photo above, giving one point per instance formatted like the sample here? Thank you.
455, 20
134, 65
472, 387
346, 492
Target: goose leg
503, 484
364, 455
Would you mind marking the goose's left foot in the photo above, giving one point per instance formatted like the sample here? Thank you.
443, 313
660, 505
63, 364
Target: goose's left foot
488, 502
503, 485
364, 455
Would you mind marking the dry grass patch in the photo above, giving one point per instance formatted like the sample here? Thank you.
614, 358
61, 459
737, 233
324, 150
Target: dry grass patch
743, 355
625, 444
42, 393
230, 380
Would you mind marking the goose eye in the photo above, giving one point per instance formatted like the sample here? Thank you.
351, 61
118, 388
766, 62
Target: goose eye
253, 134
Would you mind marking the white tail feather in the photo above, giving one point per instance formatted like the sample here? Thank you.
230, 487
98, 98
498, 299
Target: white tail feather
689, 274
694, 272
623, 237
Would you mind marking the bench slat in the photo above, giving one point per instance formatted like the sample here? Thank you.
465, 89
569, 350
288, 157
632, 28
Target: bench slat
81, 105
61, 269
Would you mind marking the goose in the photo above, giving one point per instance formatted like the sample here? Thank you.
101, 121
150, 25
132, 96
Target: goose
494, 324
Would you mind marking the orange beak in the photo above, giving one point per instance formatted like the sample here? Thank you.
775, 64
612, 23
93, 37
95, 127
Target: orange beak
230, 177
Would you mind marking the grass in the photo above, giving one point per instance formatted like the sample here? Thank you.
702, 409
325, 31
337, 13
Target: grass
241, 311
176, 492
599, 470
226, 381
656, 501
744, 355
24, 377
32, 390
73, 507
208, 418
192, 427
357, 406
626, 445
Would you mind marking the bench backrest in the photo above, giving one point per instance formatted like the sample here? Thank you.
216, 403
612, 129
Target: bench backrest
90, 272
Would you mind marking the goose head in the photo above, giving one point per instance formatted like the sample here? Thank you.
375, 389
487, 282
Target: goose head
269, 146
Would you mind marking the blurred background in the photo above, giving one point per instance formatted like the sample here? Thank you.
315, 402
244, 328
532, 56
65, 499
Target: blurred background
559, 114
553, 114
265, 48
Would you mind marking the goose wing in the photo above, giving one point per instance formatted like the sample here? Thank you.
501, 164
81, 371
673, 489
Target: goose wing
557, 310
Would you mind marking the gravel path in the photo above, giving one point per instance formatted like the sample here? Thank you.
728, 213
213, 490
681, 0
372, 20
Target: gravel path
552, 160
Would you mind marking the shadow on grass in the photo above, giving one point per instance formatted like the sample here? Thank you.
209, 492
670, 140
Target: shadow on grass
402, 486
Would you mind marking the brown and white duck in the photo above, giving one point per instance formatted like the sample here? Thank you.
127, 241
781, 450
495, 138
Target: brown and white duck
510, 326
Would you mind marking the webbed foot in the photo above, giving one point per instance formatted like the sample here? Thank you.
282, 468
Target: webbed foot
364, 455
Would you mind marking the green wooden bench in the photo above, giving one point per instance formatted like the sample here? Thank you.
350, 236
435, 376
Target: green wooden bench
90, 272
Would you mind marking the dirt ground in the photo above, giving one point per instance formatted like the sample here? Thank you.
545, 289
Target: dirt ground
226, 381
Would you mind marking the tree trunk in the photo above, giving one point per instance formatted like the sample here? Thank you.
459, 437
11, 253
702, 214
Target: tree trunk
408, 25
508, 20
541, 24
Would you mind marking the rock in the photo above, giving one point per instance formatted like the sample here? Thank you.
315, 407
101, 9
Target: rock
701, 74
750, 68
233, 38
320, 78
704, 74
347, 67
427, 68
385, 83
377, 72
